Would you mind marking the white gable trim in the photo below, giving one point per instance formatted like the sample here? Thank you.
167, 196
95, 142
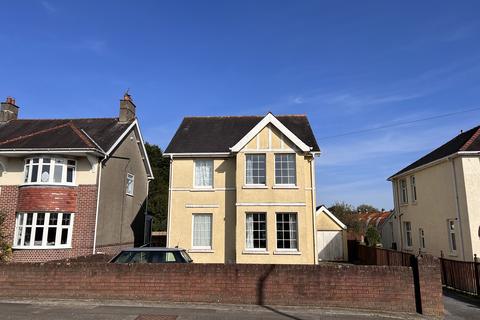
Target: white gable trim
331, 216
124, 134
270, 118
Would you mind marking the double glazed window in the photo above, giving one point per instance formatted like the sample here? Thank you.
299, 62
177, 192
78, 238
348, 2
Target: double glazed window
43, 229
256, 231
255, 170
285, 172
203, 174
287, 231
452, 236
130, 184
421, 234
407, 225
47, 170
202, 231
413, 186
403, 191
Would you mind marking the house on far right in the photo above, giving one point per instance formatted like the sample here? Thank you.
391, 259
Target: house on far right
437, 200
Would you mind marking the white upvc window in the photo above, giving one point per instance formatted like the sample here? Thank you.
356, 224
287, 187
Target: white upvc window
413, 187
421, 235
255, 169
256, 231
49, 170
287, 231
130, 184
43, 230
203, 175
403, 191
285, 169
407, 228
452, 236
202, 231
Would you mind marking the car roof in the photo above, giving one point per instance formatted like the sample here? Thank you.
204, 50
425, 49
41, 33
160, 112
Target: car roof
152, 249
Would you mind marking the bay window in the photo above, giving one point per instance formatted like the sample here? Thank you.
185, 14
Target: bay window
44, 230
49, 170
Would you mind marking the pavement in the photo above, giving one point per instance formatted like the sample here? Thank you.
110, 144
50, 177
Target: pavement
459, 306
128, 310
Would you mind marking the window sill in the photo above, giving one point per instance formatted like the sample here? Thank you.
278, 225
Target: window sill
261, 252
451, 254
287, 252
253, 186
202, 189
129, 194
403, 204
37, 184
200, 251
279, 186
41, 248
408, 248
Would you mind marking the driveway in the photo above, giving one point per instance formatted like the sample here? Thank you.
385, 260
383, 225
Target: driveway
89, 310
458, 306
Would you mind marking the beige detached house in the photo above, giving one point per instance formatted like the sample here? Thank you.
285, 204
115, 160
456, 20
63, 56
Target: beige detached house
242, 189
437, 200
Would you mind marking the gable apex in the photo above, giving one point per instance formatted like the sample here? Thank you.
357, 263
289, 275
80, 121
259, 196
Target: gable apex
270, 119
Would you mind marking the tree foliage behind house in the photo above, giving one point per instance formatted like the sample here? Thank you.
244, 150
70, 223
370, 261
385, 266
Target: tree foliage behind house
158, 191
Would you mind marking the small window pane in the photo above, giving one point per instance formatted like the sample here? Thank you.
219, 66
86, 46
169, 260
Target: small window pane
38, 236
29, 218
34, 173
27, 171
57, 174
52, 232
66, 219
28, 236
130, 183
40, 218
53, 219
70, 171
64, 236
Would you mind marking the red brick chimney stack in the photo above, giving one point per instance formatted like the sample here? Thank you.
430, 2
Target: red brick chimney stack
8, 110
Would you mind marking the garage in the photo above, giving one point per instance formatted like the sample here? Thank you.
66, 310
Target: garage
331, 237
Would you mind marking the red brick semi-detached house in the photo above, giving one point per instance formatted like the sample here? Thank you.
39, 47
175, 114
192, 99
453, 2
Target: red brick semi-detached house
72, 187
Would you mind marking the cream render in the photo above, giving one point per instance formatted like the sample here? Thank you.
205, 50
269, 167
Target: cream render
447, 193
231, 199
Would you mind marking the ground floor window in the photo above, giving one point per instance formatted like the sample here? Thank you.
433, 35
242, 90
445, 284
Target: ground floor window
202, 231
407, 226
43, 230
287, 231
421, 234
256, 231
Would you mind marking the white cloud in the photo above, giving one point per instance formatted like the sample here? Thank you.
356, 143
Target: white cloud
50, 8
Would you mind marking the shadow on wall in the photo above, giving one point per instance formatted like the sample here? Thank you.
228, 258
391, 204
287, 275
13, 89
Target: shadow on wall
138, 226
261, 294
229, 223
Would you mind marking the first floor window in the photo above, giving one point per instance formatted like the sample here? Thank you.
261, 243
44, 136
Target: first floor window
287, 231
130, 183
256, 231
203, 174
255, 169
202, 231
452, 236
403, 191
421, 234
407, 225
43, 229
413, 186
285, 169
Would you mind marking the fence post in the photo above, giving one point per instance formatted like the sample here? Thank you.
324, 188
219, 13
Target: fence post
442, 269
416, 283
477, 273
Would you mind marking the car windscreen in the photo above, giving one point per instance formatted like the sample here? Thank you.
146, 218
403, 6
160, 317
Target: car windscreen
149, 257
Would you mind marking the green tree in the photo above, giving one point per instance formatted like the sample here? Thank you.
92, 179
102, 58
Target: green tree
346, 213
372, 236
158, 189
366, 208
5, 248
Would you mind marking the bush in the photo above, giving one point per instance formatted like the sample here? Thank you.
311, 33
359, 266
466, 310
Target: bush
5, 248
373, 237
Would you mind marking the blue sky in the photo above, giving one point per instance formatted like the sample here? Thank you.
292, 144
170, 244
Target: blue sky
348, 65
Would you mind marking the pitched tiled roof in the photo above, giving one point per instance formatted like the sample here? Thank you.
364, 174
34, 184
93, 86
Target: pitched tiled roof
218, 134
375, 219
60, 133
465, 141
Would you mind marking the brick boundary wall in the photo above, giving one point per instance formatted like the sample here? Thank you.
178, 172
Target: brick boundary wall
430, 277
380, 288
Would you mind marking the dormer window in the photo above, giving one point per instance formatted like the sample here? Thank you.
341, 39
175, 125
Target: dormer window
49, 170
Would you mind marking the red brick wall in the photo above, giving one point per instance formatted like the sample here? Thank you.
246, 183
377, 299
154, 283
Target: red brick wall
430, 285
48, 199
343, 286
8, 205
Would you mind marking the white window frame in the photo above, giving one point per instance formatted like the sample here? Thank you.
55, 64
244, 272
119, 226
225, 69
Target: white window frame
452, 240
246, 171
413, 187
127, 191
252, 248
196, 247
402, 186
407, 232
195, 173
294, 167
421, 239
20, 231
64, 163
277, 230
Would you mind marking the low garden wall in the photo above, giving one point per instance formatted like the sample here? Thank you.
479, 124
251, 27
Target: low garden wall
382, 288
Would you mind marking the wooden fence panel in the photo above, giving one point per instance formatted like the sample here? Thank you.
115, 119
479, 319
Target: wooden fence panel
461, 275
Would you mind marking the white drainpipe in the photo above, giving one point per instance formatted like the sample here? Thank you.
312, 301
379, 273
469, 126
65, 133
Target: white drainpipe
169, 207
98, 203
314, 209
